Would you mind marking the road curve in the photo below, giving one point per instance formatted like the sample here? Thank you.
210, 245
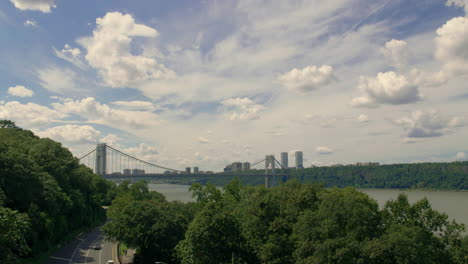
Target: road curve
81, 251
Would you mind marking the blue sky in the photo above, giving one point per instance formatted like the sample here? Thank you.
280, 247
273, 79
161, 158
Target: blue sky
206, 83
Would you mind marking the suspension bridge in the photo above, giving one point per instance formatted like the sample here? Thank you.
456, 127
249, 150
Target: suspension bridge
112, 163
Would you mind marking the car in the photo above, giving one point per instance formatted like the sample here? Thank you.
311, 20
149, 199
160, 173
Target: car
110, 262
97, 247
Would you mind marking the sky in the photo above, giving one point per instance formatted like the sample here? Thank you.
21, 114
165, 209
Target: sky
206, 83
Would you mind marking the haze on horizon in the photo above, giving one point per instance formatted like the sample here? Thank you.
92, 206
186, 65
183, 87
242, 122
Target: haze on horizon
205, 83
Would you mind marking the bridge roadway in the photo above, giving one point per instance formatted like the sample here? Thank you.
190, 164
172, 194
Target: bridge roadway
188, 175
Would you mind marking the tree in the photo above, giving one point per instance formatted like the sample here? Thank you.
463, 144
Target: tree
334, 233
15, 227
8, 124
214, 237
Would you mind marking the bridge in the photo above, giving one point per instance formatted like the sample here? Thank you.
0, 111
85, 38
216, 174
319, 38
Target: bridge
112, 163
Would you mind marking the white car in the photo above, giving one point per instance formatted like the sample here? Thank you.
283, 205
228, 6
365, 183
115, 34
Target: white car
110, 262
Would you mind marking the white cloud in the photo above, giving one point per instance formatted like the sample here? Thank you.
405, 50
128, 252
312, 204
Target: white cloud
136, 105
20, 91
386, 88
242, 108
98, 113
71, 55
460, 156
72, 134
452, 46
109, 51
203, 140
308, 79
58, 80
112, 140
30, 23
44, 6
363, 118
426, 124
458, 3
143, 151
29, 115
322, 120
324, 150
396, 51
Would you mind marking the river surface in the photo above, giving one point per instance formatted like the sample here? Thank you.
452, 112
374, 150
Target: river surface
453, 203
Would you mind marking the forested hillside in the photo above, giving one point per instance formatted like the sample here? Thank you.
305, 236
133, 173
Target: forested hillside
45, 195
443, 175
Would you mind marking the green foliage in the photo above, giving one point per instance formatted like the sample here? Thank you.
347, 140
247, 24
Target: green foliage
14, 226
144, 220
213, 237
443, 175
304, 223
48, 188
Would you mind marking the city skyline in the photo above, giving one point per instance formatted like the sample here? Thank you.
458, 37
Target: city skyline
206, 83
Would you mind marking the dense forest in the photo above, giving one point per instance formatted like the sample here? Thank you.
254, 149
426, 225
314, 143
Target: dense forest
46, 196
443, 175
291, 223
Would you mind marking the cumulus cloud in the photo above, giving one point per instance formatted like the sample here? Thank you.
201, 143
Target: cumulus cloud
30, 23
458, 3
460, 156
72, 134
396, 51
242, 108
324, 150
98, 113
20, 91
71, 55
308, 79
452, 46
109, 51
386, 88
143, 151
363, 118
29, 115
426, 124
44, 6
135, 105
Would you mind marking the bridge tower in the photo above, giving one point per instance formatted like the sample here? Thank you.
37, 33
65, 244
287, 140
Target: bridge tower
101, 159
269, 164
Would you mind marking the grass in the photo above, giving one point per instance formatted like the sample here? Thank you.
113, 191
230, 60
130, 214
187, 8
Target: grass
122, 248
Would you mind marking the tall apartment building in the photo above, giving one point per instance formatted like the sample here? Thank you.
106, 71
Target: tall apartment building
299, 160
284, 160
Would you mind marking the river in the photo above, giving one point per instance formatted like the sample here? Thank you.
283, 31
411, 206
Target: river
453, 203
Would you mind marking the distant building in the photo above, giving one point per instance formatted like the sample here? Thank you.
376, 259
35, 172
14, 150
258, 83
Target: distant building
228, 168
195, 169
245, 166
187, 170
127, 171
284, 160
138, 172
236, 166
167, 172
299, 160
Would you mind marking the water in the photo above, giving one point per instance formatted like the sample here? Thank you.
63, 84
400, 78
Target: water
453, 203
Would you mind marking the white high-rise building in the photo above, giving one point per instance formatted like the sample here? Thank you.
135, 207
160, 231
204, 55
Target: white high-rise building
299, 160
284, 160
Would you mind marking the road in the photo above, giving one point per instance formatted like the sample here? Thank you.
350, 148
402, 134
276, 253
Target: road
81, 251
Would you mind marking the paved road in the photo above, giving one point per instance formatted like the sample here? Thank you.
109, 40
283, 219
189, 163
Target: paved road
80, 250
